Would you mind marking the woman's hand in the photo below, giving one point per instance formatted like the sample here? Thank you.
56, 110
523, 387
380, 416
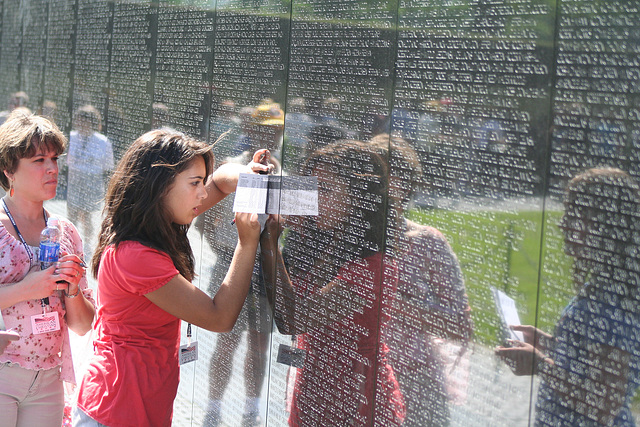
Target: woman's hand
43, 283
261, 162
40, 284
70, 269
5, 339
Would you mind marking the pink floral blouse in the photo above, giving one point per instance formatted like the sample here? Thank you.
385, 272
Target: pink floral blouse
42, 351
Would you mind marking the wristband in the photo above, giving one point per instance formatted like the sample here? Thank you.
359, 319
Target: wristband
74, 295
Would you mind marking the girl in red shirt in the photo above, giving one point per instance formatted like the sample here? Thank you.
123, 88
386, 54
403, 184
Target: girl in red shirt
144, 266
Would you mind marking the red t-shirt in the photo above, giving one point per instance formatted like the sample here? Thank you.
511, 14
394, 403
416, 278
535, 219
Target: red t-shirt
133, 376
346, 379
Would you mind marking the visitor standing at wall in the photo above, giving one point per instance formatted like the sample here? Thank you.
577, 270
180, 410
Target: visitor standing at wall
16, 100
264, 129
144, 266
433, 317
33, 303
328, 290
590, 367
89, 161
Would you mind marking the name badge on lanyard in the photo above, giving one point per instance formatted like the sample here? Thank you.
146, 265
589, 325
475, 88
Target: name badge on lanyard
188, 351
45, 322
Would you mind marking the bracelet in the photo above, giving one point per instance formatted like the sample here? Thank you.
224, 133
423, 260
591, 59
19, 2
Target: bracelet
74, 295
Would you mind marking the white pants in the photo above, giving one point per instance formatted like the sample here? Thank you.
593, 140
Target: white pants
30, 398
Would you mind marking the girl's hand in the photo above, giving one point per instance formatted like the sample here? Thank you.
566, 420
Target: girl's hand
261, 162
248, 227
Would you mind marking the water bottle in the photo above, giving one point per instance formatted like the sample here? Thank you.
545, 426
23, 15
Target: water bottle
49, 243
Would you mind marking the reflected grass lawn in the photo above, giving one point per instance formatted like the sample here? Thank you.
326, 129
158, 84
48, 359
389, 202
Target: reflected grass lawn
507, 250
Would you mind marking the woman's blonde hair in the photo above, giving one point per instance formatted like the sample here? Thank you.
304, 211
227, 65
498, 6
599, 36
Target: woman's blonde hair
22, 135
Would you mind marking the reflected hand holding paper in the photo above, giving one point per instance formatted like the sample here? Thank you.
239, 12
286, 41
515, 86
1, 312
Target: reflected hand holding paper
521, 357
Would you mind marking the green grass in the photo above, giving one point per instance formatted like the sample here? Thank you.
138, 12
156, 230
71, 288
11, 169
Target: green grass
503, 249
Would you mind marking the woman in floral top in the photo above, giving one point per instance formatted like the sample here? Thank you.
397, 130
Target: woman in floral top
38, 305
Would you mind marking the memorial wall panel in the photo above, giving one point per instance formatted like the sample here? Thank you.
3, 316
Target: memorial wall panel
92, 60
477, 167
130, 90
10, 51
248, 83
60, 66
594, 125
34, 44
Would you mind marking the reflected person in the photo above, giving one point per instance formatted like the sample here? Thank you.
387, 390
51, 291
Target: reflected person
431, 293
590, 367
333, 289
263, 130
18, 99
89, 160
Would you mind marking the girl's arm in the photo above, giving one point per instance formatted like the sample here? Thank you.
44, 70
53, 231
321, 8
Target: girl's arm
224, 180
276, 276
79, 310
292, 313
185, 301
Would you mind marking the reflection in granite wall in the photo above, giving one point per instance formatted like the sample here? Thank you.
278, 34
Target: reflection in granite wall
451, 140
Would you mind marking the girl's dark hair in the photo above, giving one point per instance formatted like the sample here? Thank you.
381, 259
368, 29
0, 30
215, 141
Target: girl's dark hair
365, 171
134, 208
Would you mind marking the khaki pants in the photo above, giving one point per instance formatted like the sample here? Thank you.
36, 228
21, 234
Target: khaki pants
30, 398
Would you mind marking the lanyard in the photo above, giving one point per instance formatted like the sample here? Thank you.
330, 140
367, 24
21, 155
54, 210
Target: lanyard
15, 226
44, 301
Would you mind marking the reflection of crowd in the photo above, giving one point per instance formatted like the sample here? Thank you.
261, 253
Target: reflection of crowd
89, 161
590, 366
376, 302
336, 290
431, 293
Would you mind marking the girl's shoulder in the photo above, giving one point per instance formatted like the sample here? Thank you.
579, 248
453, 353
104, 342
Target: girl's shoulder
132, 251
139, 263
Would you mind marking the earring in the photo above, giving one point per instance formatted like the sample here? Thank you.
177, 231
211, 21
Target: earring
11, 190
